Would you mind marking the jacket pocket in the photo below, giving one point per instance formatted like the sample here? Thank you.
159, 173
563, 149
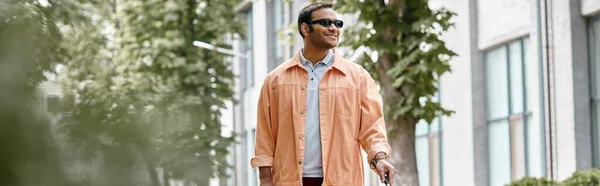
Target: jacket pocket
345, 101
283, 97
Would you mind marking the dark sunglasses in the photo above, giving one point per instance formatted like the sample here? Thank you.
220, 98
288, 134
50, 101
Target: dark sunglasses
328, 22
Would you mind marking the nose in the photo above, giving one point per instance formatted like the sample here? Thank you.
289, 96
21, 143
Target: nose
332, 27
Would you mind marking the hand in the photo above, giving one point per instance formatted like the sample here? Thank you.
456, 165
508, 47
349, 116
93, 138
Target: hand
385, 168
266, 182
265, 176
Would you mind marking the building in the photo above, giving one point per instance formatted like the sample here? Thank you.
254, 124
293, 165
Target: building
524, 87
521, 88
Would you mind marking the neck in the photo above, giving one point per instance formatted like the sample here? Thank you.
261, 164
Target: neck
313, 54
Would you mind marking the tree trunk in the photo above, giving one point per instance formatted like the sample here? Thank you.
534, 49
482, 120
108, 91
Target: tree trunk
202, 181
205, 175
166, 177
118, 166
152, 173
403, 141
403, 152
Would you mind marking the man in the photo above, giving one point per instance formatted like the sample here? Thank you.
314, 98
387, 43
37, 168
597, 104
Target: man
317, 110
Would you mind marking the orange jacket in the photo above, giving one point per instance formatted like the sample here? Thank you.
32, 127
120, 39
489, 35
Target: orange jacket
351, 117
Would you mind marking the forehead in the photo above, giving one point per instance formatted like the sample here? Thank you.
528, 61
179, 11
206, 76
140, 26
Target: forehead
324, 13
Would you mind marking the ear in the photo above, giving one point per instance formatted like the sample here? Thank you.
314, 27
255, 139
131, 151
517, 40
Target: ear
305, 29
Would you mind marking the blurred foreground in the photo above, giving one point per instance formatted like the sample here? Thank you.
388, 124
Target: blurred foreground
139, 103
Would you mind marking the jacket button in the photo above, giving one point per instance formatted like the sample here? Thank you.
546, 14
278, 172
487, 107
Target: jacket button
301, 111
300, 137
303, 87
300, 162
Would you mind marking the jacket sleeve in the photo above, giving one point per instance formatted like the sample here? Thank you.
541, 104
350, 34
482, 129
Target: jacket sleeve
265, 142
373, 133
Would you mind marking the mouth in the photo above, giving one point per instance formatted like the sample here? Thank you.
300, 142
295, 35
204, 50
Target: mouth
333, 36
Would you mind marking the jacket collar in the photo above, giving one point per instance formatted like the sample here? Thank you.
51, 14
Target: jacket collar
339, 63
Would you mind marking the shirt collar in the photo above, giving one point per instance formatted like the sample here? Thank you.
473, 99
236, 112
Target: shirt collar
327, 59
342, 64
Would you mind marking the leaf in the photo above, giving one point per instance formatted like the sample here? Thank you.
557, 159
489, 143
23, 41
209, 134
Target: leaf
402, 36
148, 90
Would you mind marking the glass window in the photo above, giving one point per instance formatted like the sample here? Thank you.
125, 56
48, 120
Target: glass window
496, 83
435, 165
428, 152
53, 103
535, 143
517, 146
56, 105
535, 149
278, 24
515, 142
422, 152
515, 64
499, 153
249, 50
275, 18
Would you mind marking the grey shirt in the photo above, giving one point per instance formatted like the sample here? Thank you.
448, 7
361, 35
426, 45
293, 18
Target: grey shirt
313, 165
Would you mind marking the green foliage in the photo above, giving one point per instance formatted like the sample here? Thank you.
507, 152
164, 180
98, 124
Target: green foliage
145, 96
29, 40
404, 35
578, 178
403, 52
529, 181
583, 178
29, 46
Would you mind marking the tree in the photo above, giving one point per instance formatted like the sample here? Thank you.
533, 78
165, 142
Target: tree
29, 46
145, 93
406, 57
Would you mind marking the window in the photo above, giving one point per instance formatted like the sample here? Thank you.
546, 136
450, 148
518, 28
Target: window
276, 48
278, 23
249, 42
514, 140
53, 103
428, 152
594, 54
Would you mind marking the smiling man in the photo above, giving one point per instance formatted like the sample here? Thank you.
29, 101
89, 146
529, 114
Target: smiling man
317, 110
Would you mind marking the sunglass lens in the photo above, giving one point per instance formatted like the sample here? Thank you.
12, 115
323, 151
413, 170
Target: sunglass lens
338, 23
326, 22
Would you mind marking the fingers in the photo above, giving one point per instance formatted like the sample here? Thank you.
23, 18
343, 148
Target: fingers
391, 175
381, 175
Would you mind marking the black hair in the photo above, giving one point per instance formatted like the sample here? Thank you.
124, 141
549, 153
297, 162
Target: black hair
305, 15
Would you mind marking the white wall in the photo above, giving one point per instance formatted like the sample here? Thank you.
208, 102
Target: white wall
563, 88
260, 58
590, 7
457, 130
501, 21
571, 112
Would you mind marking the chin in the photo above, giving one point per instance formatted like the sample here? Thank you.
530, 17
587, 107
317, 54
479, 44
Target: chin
332, 45
327, 45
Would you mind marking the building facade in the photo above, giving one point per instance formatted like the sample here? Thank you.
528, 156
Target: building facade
524, 87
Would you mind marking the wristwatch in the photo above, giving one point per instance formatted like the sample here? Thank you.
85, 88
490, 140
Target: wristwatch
374, 161
373, 164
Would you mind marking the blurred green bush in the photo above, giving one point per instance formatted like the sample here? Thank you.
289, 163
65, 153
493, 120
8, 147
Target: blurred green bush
579, 178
